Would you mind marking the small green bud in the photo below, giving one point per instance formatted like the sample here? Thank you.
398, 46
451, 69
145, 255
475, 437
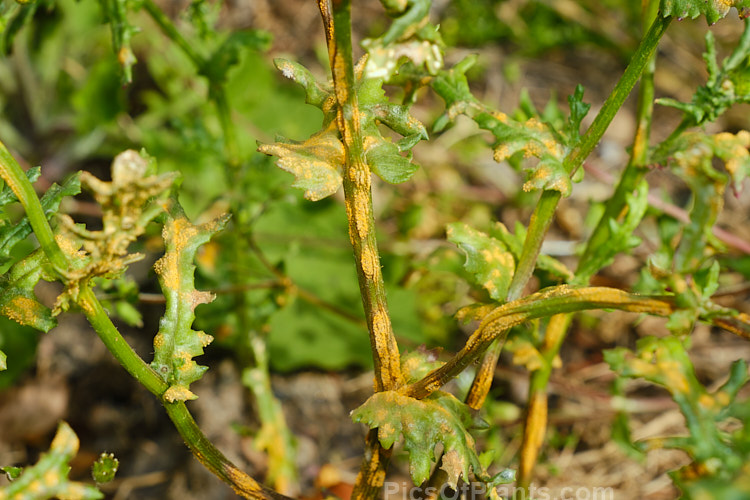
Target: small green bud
105, 468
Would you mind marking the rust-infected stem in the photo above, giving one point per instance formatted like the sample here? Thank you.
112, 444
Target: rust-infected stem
536, 417
561, 299
358, 195
358, 198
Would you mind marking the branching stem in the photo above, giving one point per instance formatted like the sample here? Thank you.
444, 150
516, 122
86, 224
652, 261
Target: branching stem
557, 300
557, 328
545, 209
201, 447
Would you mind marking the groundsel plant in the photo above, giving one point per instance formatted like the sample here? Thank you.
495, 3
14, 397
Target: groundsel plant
409, 403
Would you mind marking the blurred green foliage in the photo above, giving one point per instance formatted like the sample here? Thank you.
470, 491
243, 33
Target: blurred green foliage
534, 26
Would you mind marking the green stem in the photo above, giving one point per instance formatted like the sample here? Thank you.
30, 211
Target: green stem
201, 447
541, 219
540, 222
213, 459
636, 168
14, 177
231, 143
614, 102
117, 345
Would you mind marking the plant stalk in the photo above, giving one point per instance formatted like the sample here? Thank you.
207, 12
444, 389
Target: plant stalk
548, 302
117, 345
336, 16
545, 209
206, 453
358, 196
211, 458
535, 423
536, 417
636, 168
13, 175
639, 62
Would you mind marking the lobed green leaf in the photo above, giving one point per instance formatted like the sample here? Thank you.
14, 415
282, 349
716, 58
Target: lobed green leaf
578, 111
48, 478
718, 456
17, 299
725, 87
713, 10
530, 138
439, 418
487, 259
177, 343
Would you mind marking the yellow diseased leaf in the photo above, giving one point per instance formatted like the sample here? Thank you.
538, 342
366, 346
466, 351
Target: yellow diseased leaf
316, 163
177, 343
